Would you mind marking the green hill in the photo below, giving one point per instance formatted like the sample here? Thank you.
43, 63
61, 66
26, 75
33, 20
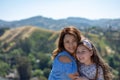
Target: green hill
27, 44
30, 48
12, 37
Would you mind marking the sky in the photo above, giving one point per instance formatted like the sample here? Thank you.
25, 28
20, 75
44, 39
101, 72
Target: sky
11, 10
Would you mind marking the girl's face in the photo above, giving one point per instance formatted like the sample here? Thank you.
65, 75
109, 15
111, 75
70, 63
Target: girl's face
70, 43
84, 54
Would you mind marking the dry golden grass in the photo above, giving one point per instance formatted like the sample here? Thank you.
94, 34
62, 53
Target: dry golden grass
13, 35
21, 32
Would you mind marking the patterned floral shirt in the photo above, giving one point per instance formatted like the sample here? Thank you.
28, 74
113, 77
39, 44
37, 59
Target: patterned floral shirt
89, 71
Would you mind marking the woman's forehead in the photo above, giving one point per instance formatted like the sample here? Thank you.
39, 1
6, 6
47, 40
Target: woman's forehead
69, 36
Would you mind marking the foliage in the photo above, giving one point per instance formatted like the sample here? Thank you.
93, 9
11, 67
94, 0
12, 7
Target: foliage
24, 68
46, 72
43, 61
32, 55
2, 31
4, 68
37, 72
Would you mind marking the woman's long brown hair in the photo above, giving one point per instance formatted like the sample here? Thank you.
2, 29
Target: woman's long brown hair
68, 30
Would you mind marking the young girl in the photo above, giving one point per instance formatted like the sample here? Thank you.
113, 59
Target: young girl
90, 64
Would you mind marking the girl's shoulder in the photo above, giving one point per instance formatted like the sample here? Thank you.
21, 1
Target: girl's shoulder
91, 67
90, 70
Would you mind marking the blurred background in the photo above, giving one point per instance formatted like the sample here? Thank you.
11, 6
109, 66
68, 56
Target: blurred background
29, 31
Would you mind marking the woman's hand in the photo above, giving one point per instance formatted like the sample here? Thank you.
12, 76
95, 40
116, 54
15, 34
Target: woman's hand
73, 76
81, 78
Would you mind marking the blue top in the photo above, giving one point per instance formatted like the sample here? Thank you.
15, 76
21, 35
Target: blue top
61, 70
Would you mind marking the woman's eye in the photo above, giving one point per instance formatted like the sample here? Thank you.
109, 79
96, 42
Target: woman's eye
74, 40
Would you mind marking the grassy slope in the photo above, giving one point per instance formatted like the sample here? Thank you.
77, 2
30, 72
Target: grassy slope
10, 38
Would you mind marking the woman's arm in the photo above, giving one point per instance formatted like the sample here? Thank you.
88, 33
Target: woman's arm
68, 66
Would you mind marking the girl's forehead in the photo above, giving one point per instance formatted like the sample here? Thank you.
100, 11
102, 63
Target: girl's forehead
82, 47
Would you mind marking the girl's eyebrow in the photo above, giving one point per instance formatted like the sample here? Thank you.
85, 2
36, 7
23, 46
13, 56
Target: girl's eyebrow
83, 49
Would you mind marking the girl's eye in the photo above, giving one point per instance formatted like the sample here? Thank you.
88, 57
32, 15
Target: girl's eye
77, 52
83, 51
66, 41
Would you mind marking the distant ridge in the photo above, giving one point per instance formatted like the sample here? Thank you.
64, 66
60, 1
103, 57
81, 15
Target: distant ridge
53, 24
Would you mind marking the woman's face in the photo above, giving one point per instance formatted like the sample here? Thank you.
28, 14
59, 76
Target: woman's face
70, 43
84, 54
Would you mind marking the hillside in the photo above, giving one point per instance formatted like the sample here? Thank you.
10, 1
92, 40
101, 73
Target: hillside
12, 36
53, 24
34, 45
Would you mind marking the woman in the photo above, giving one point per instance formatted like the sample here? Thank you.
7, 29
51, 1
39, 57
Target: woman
64, 64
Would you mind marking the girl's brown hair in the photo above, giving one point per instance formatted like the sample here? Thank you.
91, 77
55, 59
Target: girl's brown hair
67, 30
97, 59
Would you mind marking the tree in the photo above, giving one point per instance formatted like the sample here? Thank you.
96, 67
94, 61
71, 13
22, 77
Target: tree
46, 72
37, 72
2, 30
24, 45
24, 68
4, 67
43, 61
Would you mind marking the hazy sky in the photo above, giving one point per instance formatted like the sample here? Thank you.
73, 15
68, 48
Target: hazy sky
92, 9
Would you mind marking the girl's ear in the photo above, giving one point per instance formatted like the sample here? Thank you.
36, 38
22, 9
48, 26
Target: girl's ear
91, 52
